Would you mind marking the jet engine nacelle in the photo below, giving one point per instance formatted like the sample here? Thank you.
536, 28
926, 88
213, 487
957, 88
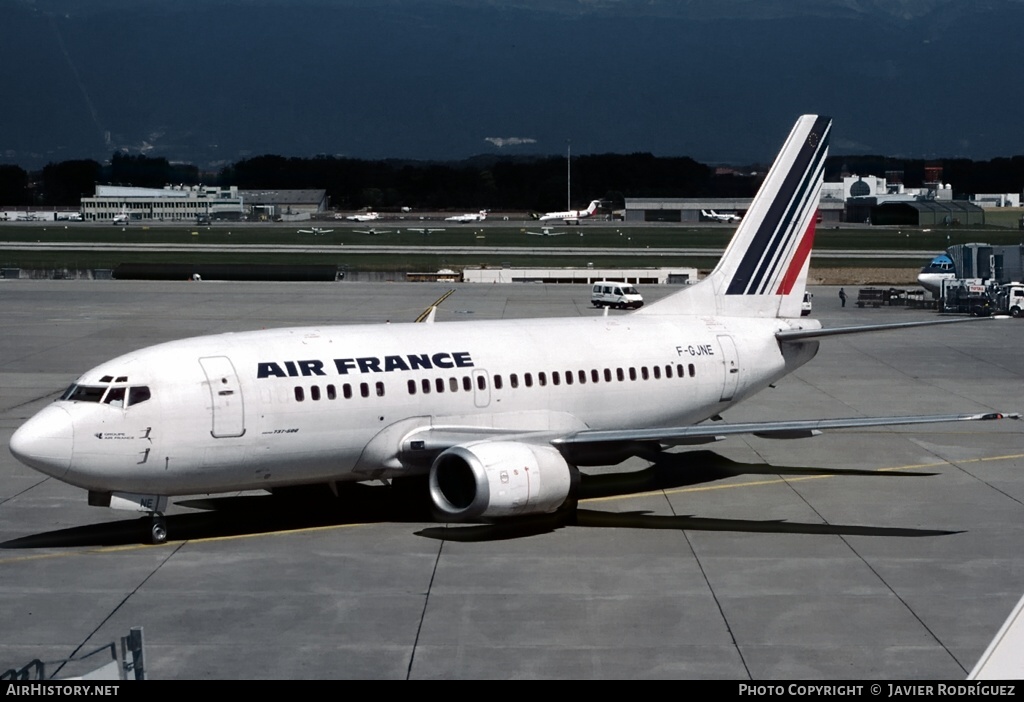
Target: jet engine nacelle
495, 479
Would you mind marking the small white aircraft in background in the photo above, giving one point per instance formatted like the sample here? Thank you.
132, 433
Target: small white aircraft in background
372, 231
366, 217
469, 217
727, 218
485, 420
316, 231
571, 216
425, 230
546, 231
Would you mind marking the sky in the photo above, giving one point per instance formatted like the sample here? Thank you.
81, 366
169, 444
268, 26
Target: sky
211, 82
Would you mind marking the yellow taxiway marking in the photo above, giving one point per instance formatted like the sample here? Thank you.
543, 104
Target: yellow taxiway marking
426, 313
674, 491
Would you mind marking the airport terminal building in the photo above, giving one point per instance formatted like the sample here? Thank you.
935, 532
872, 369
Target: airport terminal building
172, 203
199, 203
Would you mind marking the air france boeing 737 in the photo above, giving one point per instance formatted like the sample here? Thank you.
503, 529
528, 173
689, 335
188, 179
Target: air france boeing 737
498, 415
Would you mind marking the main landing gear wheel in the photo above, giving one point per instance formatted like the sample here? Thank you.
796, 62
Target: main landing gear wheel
158, 529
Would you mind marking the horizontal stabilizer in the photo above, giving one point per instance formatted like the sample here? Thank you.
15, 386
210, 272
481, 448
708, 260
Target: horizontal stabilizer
794, 335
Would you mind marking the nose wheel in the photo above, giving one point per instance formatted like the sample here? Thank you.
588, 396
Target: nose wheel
158, 529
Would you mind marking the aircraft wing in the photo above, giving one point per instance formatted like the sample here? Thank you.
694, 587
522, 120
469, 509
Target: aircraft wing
602, 447
609, 446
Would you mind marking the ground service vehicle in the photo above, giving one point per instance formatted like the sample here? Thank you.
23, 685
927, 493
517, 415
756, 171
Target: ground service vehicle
620, 296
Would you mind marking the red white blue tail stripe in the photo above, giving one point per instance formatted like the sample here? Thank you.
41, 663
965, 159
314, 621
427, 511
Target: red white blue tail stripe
763, 271
781, 245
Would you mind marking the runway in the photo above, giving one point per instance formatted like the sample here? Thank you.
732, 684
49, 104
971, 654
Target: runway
873, 554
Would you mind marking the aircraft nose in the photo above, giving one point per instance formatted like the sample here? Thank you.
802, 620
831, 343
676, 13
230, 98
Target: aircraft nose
45, 442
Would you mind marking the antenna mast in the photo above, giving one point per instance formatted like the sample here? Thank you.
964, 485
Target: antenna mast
568, 174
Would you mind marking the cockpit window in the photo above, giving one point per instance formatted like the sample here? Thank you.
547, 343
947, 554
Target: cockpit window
137, 395
84, 393
112, 396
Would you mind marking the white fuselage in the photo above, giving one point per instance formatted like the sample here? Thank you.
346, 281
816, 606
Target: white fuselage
307, 405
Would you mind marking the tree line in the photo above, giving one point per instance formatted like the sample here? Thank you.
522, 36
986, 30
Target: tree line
485, 182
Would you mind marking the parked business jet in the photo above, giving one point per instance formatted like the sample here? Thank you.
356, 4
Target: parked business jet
571, 216
498, 415
469, 217
727, 218
365, 217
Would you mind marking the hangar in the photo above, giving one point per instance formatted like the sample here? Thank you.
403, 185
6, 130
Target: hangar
687, 210
914, 212
286, 205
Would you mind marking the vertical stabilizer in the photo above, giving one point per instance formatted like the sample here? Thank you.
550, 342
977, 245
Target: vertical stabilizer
763, 271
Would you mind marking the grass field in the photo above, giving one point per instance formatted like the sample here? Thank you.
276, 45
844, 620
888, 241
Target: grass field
413, 250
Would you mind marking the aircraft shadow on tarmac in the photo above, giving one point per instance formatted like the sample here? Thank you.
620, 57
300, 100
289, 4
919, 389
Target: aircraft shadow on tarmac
360, 503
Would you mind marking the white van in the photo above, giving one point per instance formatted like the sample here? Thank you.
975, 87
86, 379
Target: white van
620, 296
807, 304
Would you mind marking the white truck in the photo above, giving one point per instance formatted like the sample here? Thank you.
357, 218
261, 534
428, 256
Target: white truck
1010, 299
619, 296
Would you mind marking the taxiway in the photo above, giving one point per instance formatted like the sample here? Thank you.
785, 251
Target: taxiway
875, 554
